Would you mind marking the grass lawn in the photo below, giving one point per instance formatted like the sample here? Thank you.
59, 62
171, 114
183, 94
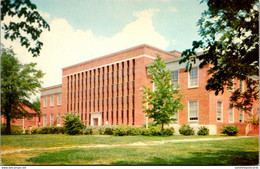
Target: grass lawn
242, 151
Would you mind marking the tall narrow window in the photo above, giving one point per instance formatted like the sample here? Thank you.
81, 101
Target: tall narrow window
59, 99
45, 120
231, 113
241, 116
176, 117
51, 120
52, 100
45, 101
175, 77
241, 86
58, 119
193, 110
219, 111
193, 77
231, 88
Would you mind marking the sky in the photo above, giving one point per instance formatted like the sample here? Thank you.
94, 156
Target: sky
81, 30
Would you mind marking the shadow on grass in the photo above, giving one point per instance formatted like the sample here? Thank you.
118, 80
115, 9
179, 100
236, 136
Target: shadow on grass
221, 157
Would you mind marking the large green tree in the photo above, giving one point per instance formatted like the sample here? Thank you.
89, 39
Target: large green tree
18, 83
164, 101
230, 43
27, 28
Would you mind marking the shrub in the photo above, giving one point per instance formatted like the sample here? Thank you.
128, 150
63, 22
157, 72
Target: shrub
15, 130
186, 130
122, 130
230, 130
203, 131
72, 123
35, 130
98, 130
88, 131
109, 130
135, 131
168, 131
49, 130
156, 130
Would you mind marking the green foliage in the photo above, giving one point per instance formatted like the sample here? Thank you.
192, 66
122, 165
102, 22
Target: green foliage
72, 123
186, 130
229, 33
27, 30
229, 130
162, 103
203, 131
49, 130
168, 131
122, 130
88, 131
15, 130
18, 83
136, 131
109, 130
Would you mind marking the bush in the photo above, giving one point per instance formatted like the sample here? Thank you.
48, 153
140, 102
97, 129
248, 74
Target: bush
88, 131
230, 130
73, 124
186, 130
168, 131
15, 130
49, 130
203, 131
109, 131
122, 130
136, 131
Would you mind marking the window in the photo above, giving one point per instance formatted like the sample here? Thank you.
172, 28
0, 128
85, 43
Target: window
51, 120
58, 119
241, 116
175, 78
59, 99
52, 100
44, 120
219, 111
231, 88
231, 113
241, 86
45, 101
176, 117
193, 77
193, 110
30, 117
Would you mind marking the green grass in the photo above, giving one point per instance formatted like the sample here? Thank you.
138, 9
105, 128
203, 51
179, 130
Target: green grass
9, 142
242, 151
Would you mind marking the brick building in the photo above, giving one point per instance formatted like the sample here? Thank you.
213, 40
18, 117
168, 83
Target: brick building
108, 91
31, 120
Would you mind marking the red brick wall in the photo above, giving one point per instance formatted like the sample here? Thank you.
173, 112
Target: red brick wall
48, 110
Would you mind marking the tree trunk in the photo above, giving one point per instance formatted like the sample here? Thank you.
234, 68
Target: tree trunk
162, 128
8, 125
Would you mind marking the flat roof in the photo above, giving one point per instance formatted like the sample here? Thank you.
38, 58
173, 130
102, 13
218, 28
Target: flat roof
51, 87
120, 52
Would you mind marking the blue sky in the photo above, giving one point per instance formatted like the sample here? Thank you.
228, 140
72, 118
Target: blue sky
86, 29
176, 19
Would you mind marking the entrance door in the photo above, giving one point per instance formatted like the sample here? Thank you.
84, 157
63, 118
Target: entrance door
95, 120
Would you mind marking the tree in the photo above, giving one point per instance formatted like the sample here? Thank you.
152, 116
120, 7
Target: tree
29, 26
72, 123
19, 83
162, 104
230, 43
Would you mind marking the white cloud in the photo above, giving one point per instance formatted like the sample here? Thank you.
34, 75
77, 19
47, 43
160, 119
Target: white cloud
45, 15
64, 46
173, 9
